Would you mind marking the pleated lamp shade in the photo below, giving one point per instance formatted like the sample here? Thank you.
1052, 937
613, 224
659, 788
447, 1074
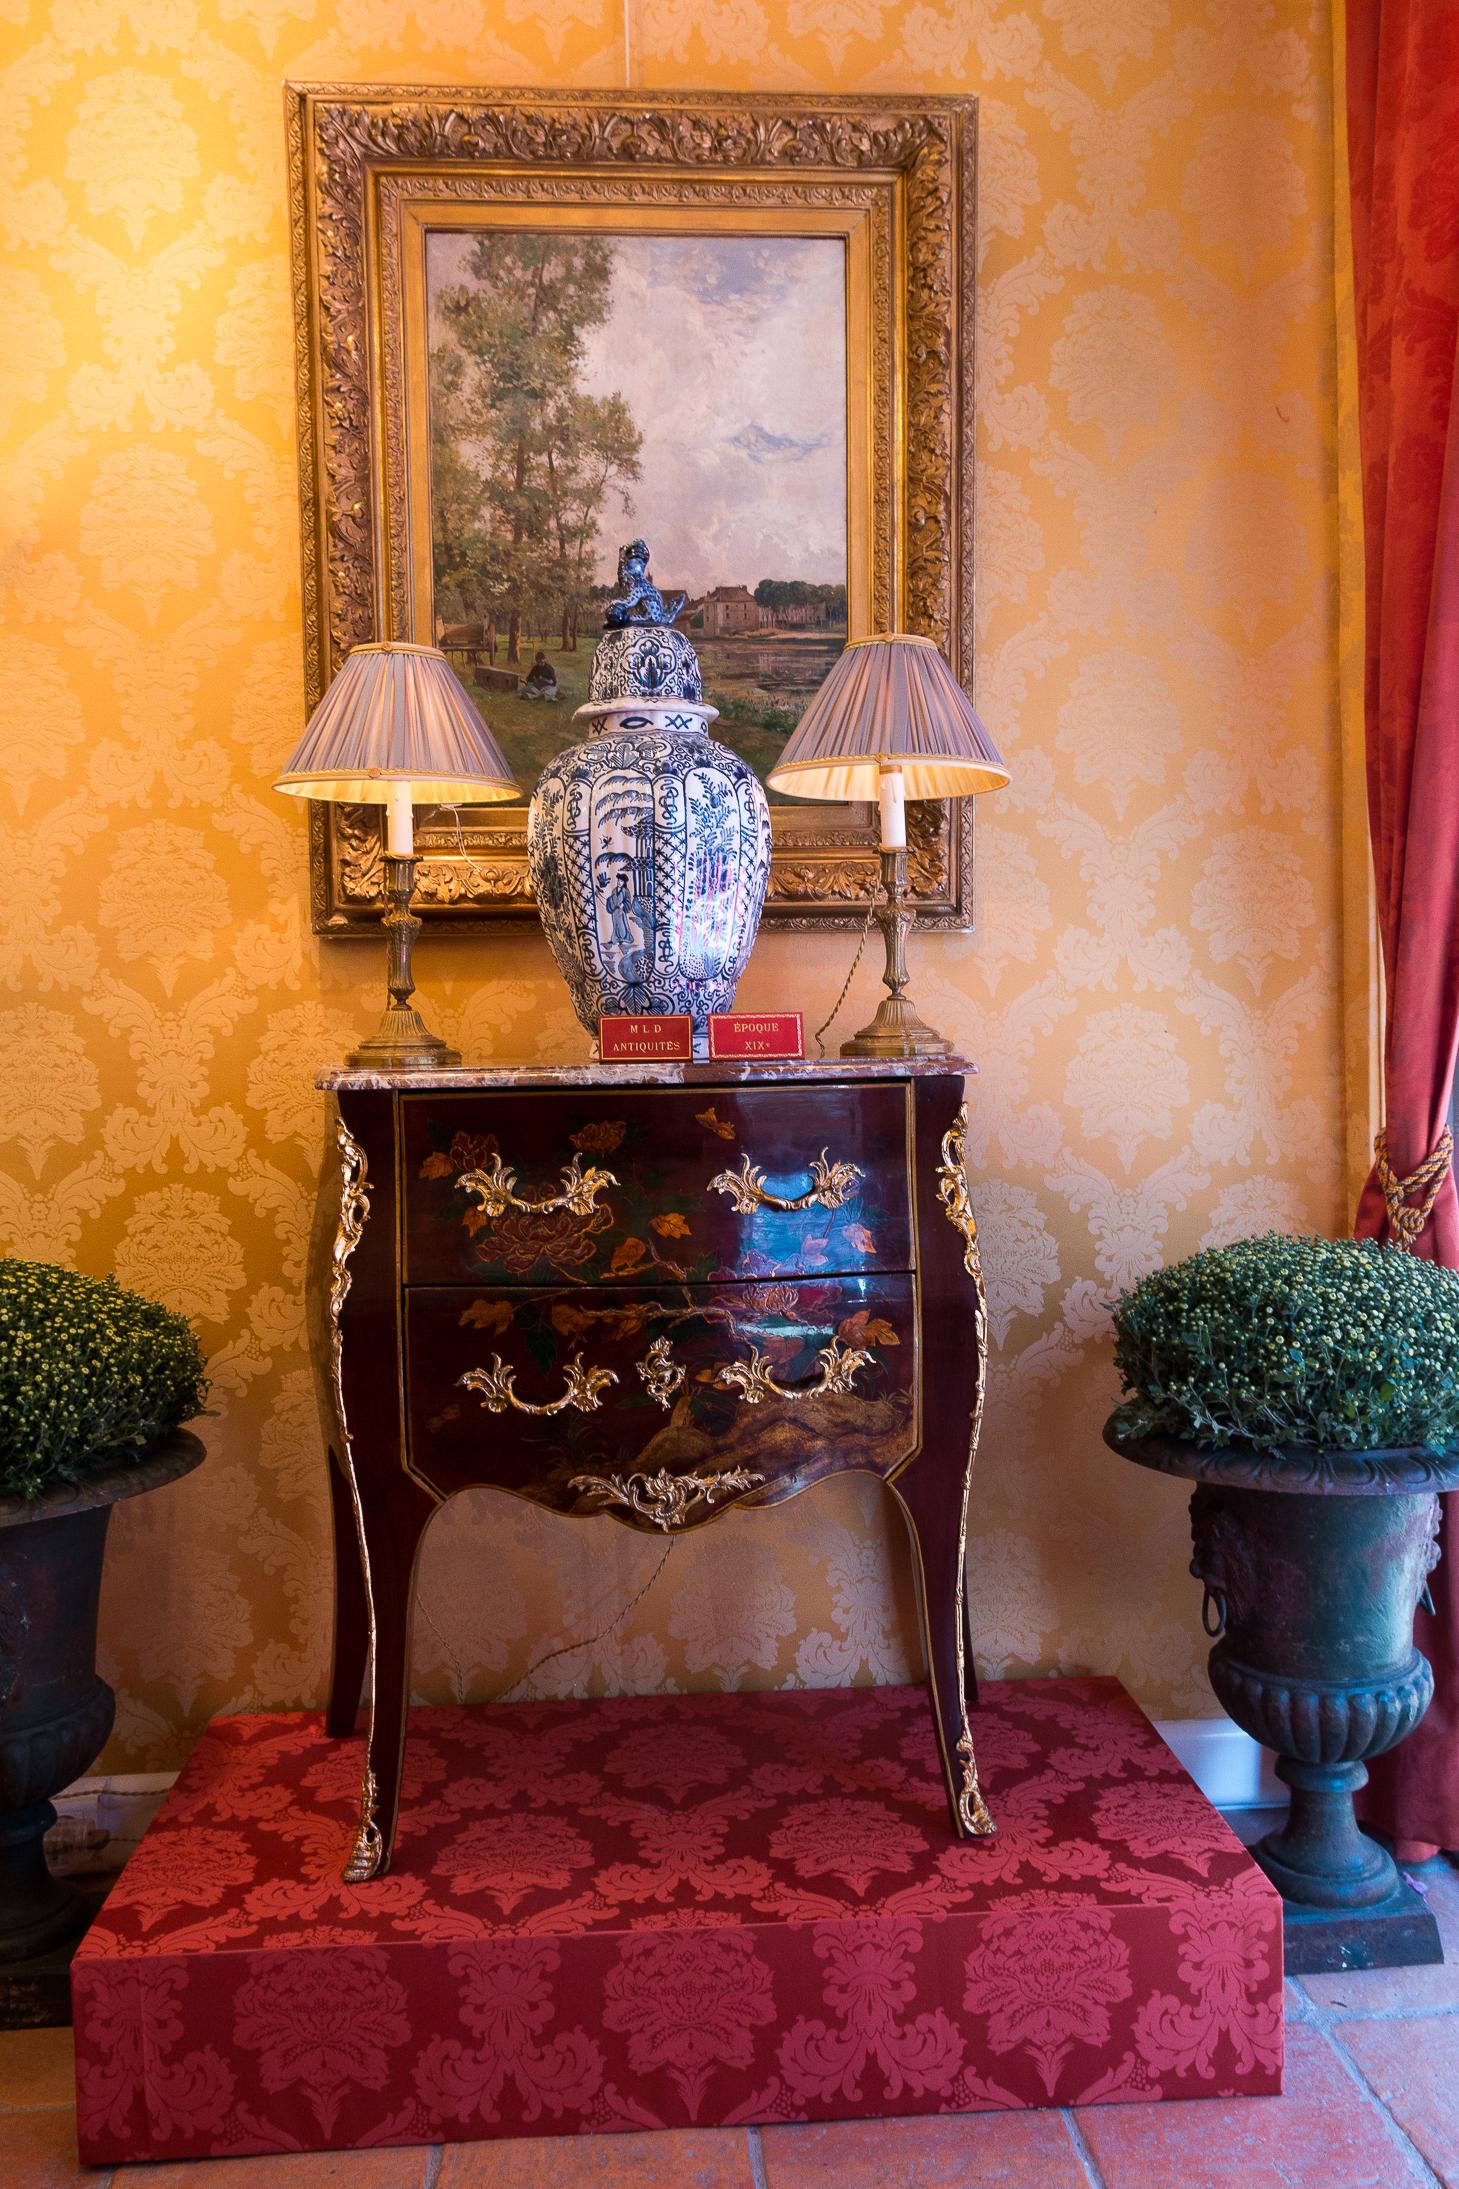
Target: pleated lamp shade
889, 703
398, 717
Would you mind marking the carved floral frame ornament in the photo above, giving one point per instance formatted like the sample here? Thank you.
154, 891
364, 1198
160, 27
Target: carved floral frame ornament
367, 164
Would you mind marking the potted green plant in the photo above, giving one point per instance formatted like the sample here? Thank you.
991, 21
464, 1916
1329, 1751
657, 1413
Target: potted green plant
94, 1382
1310, 1389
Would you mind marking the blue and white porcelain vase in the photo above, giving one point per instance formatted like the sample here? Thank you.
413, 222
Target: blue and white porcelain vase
649, 843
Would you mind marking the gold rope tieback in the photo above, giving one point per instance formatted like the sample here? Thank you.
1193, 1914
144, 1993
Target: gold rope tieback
1406, 1222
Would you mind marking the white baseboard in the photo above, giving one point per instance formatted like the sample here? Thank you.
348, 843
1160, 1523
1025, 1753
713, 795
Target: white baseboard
1227, 1765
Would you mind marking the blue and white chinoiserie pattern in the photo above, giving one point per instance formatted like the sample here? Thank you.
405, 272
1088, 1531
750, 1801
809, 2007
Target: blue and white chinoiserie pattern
650, 841
649, 848
641, 661
648, 844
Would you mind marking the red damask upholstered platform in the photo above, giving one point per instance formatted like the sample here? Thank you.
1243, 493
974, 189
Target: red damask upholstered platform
672, 1909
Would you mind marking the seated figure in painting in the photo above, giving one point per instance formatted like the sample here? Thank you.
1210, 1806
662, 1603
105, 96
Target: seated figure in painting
640, 600
540, 682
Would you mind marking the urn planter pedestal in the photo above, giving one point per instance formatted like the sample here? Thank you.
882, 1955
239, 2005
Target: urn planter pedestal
1313, 1564
56, 1711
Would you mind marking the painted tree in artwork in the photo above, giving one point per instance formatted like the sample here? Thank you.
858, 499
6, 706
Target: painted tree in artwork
470, 560
522, 460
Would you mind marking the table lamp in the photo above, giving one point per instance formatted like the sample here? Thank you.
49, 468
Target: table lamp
397, 729
891, 722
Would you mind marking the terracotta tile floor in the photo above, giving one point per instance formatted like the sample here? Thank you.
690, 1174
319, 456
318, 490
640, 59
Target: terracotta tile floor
1372, 2102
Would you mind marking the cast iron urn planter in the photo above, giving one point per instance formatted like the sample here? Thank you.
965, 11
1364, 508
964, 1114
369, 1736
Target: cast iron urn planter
55, 1709
1313, 1563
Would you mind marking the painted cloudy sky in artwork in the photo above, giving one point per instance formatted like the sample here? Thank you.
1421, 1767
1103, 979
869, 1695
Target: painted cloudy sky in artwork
731, 352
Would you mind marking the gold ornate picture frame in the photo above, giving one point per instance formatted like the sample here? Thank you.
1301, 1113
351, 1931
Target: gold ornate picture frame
375, 171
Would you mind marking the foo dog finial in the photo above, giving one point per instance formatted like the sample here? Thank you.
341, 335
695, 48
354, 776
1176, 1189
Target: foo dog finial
640, 600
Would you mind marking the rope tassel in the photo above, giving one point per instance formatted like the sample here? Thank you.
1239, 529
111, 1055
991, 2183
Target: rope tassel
1405, 1221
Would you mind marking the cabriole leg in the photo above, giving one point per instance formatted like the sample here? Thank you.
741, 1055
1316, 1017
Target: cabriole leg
351, 1611
933, 1500
394, 1526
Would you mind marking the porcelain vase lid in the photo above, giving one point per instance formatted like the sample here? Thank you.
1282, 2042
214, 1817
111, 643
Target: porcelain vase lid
641, 655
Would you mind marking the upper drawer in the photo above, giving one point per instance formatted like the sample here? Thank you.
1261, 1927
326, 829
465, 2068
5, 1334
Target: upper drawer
594, 1187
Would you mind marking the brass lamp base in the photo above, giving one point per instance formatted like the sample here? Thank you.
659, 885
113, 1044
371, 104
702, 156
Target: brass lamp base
898, 1029
402, 1042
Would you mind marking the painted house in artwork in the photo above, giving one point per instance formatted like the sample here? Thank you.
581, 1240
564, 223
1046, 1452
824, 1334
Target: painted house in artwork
725, 610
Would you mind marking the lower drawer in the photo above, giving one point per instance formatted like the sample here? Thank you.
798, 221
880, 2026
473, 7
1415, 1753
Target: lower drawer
661, 1407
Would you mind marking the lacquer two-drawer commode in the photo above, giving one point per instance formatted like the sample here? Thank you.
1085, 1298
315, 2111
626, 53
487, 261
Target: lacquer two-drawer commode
657, 1294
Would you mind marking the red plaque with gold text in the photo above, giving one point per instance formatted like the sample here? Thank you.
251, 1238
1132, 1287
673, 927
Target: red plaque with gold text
628, 1040
755, 1034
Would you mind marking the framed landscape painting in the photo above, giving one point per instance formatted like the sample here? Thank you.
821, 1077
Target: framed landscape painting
534, 328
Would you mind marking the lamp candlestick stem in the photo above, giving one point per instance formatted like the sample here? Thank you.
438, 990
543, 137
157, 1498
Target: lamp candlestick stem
898, 1028
402, 1041
891, 796
400, 822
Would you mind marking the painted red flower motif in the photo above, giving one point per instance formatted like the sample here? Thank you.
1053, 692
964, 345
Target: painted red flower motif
688, 2002
851, 1840
600, 1137
509, 1856
1046, 1981
519, 1240
325, 2021
472, 1151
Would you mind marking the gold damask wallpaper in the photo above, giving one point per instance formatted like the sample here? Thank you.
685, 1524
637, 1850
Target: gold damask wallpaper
1153, 990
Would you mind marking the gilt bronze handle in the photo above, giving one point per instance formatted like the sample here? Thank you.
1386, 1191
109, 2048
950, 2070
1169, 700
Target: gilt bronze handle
583, 1395
664, 1499
831, 1186
754, 1382
495, 1188
661, 1373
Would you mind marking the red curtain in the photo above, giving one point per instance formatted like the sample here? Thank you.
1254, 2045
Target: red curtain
1403, 142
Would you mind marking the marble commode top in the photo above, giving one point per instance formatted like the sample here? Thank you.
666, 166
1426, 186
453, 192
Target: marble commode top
642, 1072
